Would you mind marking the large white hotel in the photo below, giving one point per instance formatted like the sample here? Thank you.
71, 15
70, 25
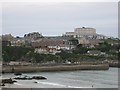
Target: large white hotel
85, 32
79, 32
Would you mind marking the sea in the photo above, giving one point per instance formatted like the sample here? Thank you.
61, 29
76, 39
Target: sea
69, 79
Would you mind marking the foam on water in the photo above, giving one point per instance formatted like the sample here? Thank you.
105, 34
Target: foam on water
54, 84
57, 84
18, 84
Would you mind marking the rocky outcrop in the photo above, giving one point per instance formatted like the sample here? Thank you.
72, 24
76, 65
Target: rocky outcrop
18, 73
30, 78
9, 81
38, 77
23, 78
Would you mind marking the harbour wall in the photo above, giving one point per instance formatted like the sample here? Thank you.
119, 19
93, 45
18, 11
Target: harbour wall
36, 68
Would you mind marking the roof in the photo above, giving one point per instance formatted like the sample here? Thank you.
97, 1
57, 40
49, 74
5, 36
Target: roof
94, 52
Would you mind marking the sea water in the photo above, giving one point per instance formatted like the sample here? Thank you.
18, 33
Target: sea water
69, 79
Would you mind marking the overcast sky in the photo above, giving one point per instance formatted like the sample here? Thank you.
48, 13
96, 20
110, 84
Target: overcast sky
58, 18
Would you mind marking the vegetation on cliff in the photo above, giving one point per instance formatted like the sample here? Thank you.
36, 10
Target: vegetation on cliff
109, 47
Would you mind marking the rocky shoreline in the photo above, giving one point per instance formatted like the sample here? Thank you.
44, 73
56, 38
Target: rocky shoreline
13, 80
37, 68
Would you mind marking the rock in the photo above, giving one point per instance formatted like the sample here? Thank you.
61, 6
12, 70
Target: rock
3, 84
35, 82
23, 78
9, 81
30, 78
17, 74
38, 77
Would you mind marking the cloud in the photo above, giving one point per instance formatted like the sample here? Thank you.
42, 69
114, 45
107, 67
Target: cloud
57, 18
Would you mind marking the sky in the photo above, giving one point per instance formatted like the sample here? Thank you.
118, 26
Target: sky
56, 18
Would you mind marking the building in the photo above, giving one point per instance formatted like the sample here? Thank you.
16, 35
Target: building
50, 45
42, 50
83, 40
87, 32
19, 63
69, 34
45, 42
81, 32
28, 42
95, 53
47, 50
6, 43
17, 42
7, 37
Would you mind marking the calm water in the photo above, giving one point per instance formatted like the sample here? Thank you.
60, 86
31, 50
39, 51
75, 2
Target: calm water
70, 79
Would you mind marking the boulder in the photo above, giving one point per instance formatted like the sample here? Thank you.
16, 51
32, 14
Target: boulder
9, 81
38, 77
23, 78
30, 78
35, 82
17, 74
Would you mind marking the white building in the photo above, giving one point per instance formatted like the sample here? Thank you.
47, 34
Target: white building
83, 40
69, 34
81, 32
17, 42
47, 50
